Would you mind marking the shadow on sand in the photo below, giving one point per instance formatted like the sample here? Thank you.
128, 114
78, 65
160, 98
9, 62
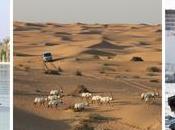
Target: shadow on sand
27, 121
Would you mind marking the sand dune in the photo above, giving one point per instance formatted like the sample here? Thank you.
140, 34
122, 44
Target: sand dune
30, 121
107, 45
98, 53
102, 53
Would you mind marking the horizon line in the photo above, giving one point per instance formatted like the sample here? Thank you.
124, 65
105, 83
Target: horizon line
52, 22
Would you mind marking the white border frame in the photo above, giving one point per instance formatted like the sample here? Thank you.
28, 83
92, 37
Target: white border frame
11, 64
163, 64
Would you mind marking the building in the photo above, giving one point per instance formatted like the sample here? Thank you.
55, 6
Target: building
170, 19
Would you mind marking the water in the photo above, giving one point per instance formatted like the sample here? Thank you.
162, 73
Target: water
170, 47
4, 97
169, 91
170, 87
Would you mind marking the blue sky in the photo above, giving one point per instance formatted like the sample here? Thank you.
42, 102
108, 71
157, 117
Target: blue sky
4, 18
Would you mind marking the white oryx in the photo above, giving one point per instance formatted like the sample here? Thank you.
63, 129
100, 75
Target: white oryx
80, 106
56, 92
105, 100
149, 96
39, 100
86, 96
53, 97
54, 103
96, 99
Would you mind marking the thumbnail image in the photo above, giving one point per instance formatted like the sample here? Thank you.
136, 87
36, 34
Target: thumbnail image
170, 70
81, 65
5, 31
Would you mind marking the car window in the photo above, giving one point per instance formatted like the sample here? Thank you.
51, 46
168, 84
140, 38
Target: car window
47, 54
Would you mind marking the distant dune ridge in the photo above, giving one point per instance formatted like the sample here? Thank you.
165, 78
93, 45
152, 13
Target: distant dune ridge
103, 58
106, 45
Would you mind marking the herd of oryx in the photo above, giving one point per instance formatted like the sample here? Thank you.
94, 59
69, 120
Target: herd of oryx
52, 100
55, 98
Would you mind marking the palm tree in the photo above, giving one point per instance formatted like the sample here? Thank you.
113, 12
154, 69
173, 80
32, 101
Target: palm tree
6, 40
4, 54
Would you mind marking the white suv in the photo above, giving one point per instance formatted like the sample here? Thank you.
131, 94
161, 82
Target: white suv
47, 56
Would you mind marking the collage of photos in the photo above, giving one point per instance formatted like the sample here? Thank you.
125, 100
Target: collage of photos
87, 65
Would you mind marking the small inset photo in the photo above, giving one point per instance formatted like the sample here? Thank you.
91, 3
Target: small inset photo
5, 31
4, 97
170, 69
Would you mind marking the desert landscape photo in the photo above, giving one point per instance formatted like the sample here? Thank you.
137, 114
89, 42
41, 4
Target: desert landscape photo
87, 75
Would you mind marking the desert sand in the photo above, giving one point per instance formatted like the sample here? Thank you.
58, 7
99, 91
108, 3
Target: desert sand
102, 53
